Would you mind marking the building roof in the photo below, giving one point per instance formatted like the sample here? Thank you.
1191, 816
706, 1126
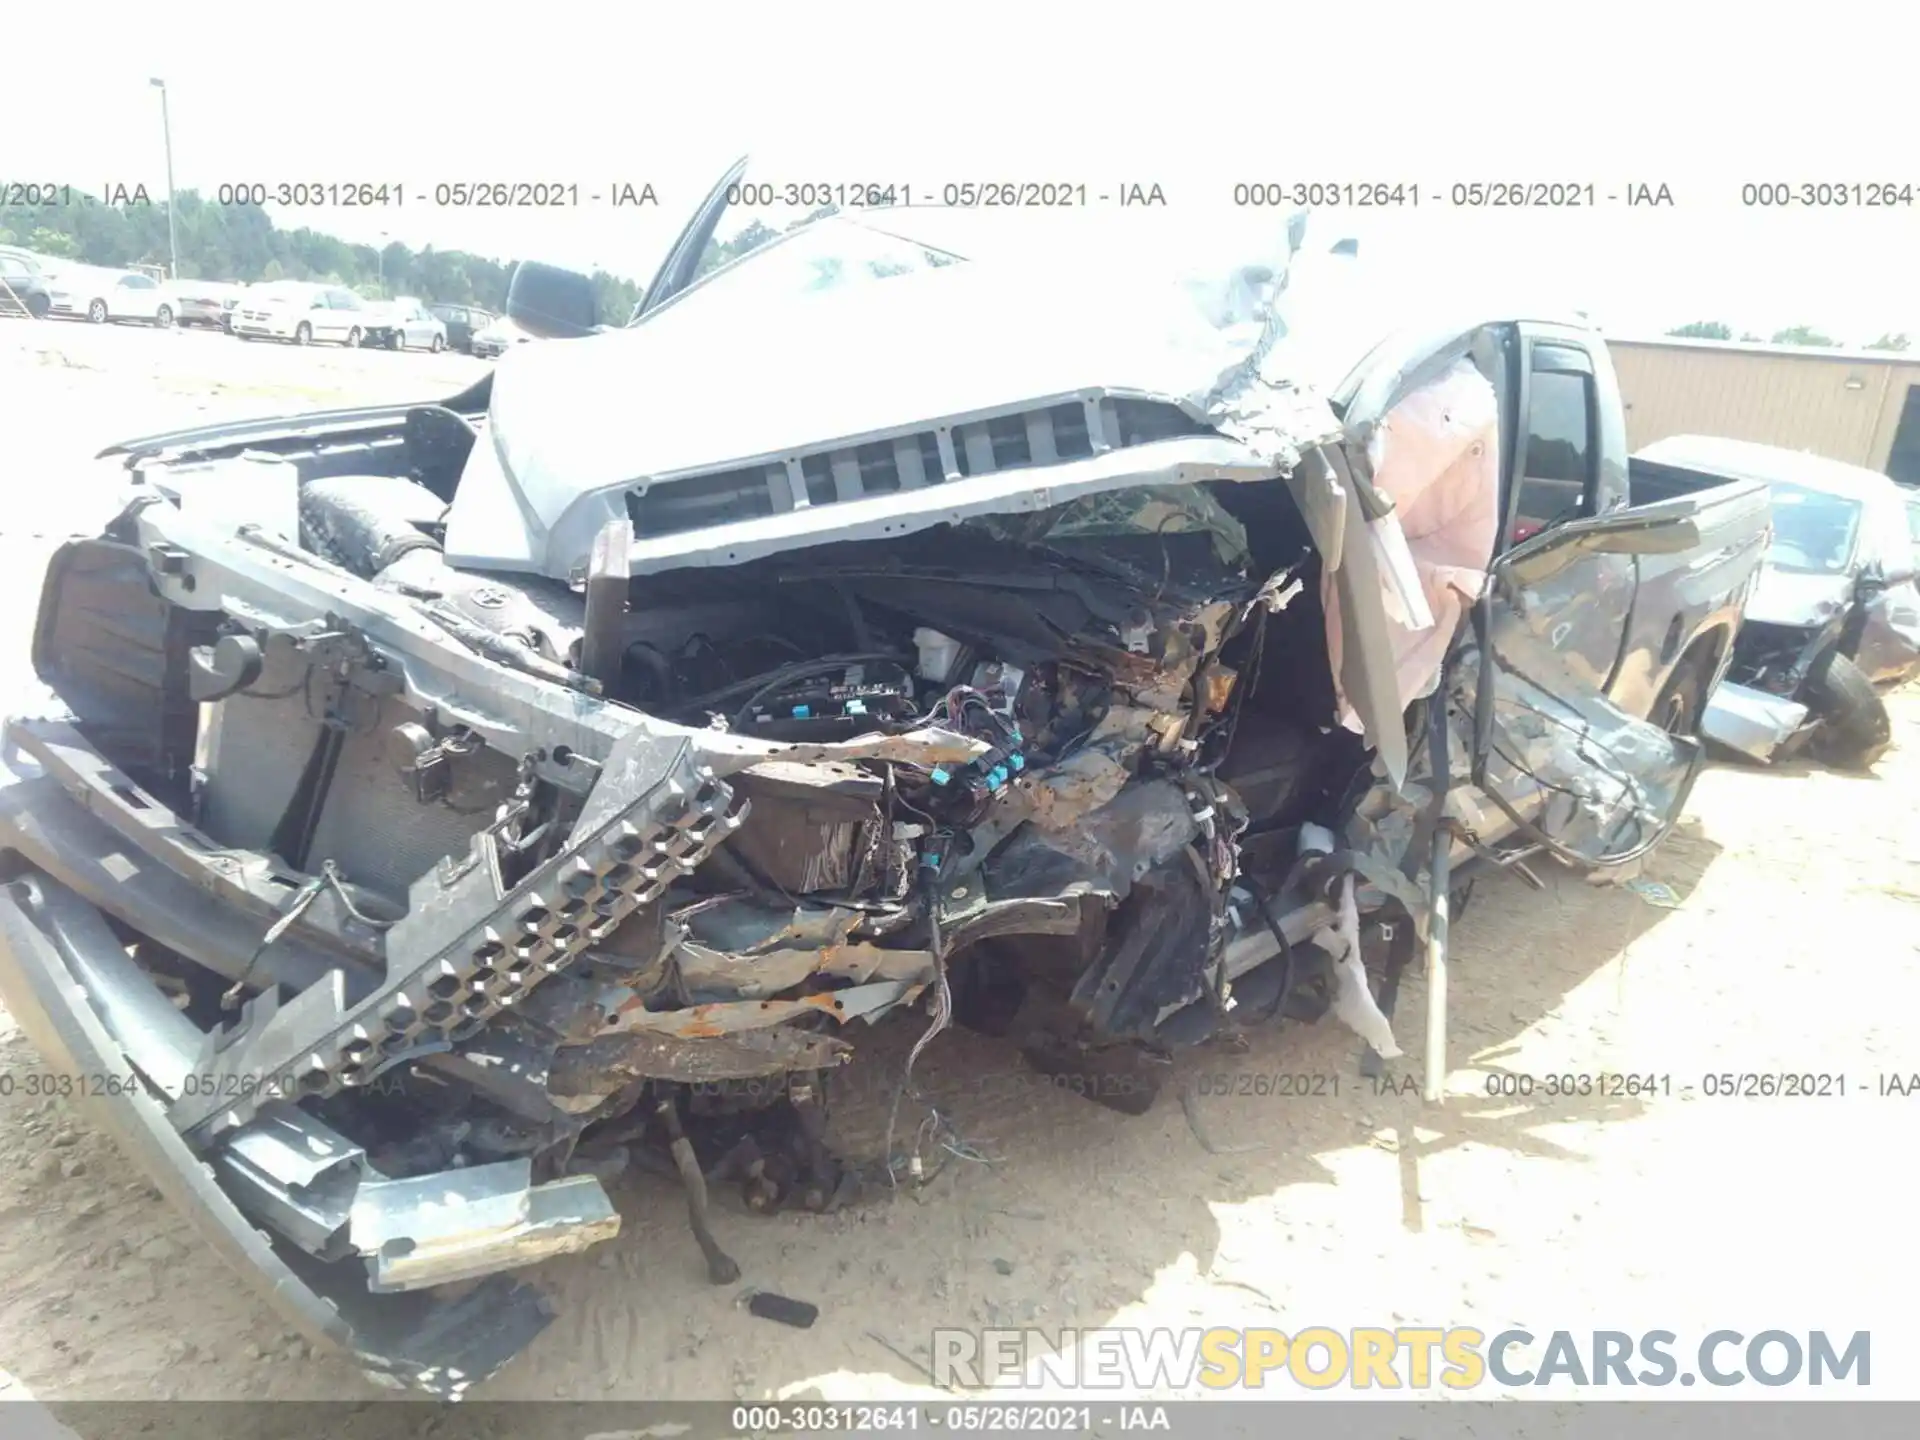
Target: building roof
1851, 355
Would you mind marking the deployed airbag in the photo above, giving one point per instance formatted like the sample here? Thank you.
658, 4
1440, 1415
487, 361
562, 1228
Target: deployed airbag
1436, 455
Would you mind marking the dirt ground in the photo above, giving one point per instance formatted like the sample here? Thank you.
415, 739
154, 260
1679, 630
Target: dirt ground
1793, 950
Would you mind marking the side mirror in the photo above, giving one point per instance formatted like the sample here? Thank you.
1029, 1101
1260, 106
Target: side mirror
550, 302
1881, 576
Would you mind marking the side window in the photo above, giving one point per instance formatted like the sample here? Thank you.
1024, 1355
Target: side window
1558, 481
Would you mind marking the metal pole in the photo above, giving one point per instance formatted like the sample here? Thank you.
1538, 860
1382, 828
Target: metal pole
1439, 882
173, 233
1440, 877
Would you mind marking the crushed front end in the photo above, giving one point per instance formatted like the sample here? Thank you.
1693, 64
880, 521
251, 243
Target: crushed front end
407, 902
446, 807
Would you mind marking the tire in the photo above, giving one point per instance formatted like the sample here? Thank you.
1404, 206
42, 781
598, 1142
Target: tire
1682, 702
353, 338
397, 340
1854, 730
163, 318
437, 345
96, 312
303, 334
37, 306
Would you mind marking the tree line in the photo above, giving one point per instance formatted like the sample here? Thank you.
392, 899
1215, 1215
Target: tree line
241, 242
1792, 335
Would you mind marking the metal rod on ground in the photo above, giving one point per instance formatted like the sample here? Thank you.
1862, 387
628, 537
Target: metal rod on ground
1440, 874
1439, 880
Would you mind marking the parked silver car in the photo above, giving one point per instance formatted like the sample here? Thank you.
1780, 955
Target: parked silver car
1835, 613
405, 323
497, 338
208, 303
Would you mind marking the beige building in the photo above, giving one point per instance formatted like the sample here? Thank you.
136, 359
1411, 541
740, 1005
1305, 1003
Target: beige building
1860, 406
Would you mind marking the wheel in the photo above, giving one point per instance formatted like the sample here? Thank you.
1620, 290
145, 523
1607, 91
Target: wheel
1682, 701
37, 306
1854, 730
97, 312
163, 318
353, 338
436, 345
397, 340
303, 334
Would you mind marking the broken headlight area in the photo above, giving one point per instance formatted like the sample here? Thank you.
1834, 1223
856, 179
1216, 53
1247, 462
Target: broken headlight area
425, 901
1773, 658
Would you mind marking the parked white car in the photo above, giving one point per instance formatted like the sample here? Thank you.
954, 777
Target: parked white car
405, 322
302, 312
103, 295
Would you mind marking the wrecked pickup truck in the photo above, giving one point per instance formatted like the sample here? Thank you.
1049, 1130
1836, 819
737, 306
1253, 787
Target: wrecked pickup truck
447, 800
1836, 610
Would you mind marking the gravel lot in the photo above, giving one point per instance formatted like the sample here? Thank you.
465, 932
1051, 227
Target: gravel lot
1794, 950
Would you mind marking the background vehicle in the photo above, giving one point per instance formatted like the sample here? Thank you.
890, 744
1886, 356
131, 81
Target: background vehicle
103, 295
1836, 611
494, 339
207, 303
402, 323
23, 289
462, 322
301, 312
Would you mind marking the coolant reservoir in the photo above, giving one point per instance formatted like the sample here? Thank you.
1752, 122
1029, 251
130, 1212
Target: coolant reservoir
938, 654
251, 489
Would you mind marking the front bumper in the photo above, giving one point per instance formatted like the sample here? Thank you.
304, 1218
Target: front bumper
1751, 721
413, 1342
271, 327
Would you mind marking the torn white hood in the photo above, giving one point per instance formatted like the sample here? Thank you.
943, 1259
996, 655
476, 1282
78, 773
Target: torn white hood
1797, 597
705, 386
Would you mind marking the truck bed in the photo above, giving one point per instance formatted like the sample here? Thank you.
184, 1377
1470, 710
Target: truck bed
1651, 481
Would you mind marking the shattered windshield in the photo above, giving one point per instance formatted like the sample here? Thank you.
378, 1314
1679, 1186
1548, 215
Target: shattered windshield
830, 254
1813, 531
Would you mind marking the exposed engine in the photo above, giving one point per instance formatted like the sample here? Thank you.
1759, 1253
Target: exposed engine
626, 912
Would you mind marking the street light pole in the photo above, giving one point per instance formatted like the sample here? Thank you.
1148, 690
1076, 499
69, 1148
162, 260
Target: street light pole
380, 264
173, 234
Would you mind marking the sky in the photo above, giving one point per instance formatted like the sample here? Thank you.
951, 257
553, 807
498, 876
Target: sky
1192, 99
